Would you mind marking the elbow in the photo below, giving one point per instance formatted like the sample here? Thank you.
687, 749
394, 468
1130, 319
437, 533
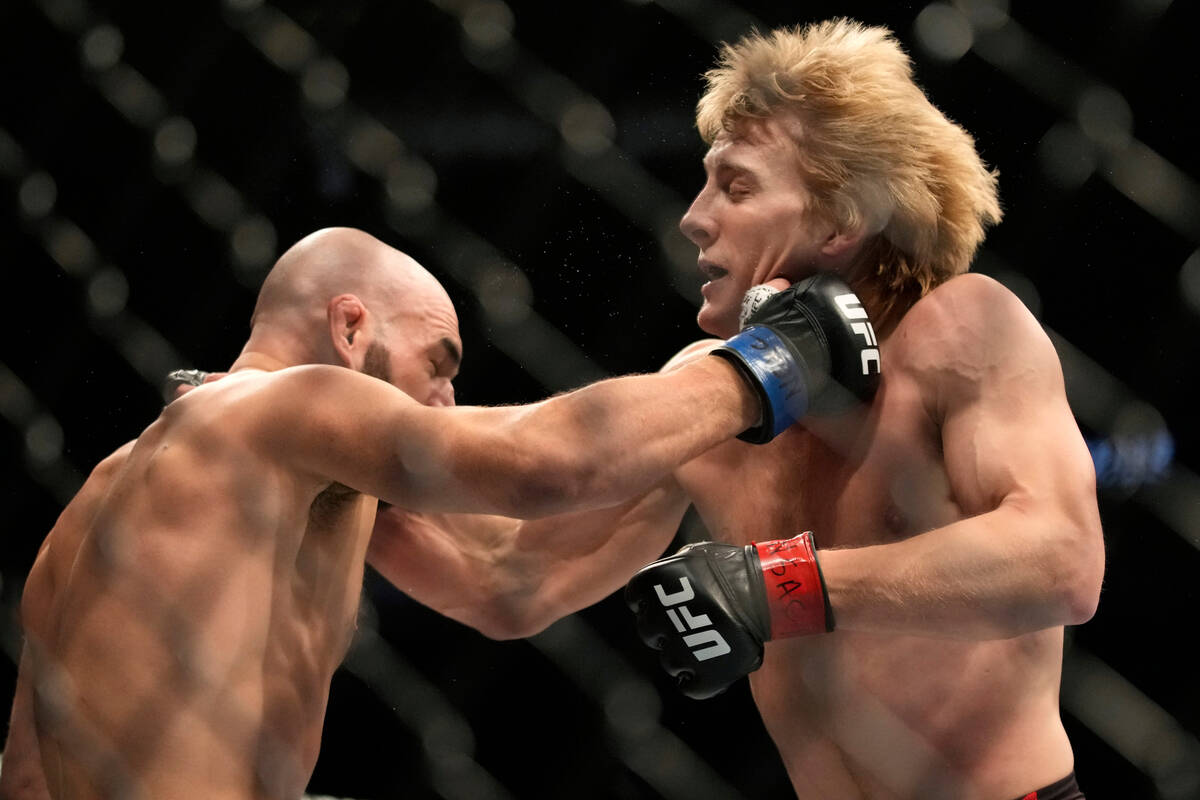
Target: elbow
1079, 574
509, 615
503, 627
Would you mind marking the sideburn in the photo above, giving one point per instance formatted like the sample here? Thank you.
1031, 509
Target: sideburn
377, 362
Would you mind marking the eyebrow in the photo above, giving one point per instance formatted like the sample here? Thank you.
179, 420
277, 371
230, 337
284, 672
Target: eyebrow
452, 351
729, 163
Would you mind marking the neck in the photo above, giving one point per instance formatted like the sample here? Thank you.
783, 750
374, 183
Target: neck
253, 359
885, 304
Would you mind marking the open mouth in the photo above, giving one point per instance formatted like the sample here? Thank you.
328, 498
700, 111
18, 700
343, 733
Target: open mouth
712, 271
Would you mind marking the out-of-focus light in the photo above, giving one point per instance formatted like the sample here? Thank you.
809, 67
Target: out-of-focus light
504, 292
372, 147
215, 200
1104, 115
1067, 156
175, 141
101, 47
17, 403
12, 161
943, 32
681, 254
984, 15
107, 292
325, 83
287, 44
37, 195
253, 243
1138, 451
587, 127
488, 24
411, 185
1148, 8
632, 708
70, 248
68, 15
133, 95
1189, 281
43, 440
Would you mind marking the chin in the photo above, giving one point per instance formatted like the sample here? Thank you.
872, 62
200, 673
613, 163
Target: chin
715, 323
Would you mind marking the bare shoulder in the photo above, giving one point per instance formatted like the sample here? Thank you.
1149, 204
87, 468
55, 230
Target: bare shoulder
971, 317
969, 333
96, 487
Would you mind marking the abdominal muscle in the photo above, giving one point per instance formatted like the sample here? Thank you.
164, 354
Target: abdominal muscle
911, 717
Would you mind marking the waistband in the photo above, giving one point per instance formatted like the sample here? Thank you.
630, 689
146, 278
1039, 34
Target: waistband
1065, 789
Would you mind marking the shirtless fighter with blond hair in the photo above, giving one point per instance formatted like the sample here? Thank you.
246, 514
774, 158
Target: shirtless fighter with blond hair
186, 613
909, 563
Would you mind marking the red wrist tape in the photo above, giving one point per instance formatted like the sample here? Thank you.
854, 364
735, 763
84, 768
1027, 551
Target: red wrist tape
796, 596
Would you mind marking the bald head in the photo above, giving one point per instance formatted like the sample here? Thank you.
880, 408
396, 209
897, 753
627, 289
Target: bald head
340, 296
340, 261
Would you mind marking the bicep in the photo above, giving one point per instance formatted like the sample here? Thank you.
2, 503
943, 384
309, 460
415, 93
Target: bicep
337, 425
1008, 433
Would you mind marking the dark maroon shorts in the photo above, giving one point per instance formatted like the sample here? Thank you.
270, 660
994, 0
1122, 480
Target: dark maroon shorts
1066, 789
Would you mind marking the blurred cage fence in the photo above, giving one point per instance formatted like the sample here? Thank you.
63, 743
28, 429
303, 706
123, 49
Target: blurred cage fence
92, 51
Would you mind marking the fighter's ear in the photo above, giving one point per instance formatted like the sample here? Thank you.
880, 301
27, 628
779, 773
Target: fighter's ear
347, 317
842, 242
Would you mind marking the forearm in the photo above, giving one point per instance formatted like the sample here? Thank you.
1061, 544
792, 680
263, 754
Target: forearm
996, 575
609, 441
511, 578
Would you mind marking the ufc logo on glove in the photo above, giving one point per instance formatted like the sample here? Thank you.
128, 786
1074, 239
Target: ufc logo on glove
683, 621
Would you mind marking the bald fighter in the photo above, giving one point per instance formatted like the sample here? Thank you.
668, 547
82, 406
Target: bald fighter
894, 575
185, 614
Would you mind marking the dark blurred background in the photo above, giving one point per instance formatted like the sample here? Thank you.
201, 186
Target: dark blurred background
155, 158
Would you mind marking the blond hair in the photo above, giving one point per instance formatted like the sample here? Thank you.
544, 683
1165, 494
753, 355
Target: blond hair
875, 152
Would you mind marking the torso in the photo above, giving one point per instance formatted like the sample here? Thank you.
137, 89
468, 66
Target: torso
191, 605
874, 716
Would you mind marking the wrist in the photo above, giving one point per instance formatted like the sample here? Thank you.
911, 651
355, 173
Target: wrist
776, 374
748, 406
797, 600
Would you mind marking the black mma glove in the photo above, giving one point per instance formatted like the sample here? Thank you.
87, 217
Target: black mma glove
809, 349
709, 608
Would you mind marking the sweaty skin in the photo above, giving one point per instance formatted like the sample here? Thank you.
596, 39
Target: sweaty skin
186, 613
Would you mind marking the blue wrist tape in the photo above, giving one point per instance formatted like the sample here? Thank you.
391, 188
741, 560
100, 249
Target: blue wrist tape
779, 373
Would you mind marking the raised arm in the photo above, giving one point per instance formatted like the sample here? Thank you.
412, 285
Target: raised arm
1031, 556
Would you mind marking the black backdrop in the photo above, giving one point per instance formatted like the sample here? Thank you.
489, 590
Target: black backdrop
155, 158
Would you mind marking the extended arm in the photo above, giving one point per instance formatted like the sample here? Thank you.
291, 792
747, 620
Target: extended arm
510, 578
586, 449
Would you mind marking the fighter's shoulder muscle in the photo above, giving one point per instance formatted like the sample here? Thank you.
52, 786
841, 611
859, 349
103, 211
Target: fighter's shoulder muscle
314, 417
89, 497
71, 525
968, 332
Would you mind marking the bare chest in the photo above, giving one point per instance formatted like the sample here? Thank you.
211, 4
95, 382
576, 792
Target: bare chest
870, 477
